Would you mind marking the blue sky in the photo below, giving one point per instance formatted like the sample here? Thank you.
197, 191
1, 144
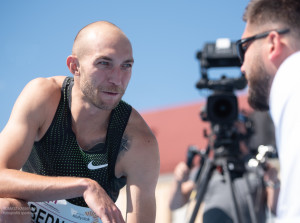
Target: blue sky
37, 36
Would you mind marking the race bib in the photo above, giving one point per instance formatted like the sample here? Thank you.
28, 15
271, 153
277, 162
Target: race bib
61, 211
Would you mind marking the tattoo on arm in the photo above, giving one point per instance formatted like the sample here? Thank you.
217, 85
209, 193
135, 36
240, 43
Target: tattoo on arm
125, 144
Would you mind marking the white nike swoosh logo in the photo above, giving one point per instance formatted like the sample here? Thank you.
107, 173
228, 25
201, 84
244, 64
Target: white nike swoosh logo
92, 167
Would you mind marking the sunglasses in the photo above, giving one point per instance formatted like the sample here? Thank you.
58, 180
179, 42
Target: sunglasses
243, 44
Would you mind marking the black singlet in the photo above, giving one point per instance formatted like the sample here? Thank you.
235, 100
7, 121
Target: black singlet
58, 153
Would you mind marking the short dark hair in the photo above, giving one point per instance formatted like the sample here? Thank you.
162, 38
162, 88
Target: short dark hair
285, 12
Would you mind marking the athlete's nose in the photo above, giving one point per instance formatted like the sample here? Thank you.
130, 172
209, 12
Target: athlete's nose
115, 76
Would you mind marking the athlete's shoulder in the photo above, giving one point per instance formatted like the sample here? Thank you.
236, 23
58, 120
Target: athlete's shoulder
39, 95
139, 129
44, 88
39, 100
47, 83
142, 154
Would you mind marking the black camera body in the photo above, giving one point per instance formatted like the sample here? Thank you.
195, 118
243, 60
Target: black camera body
221, 108
222, 105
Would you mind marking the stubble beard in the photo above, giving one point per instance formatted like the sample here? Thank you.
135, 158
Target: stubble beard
259, 87
92, 94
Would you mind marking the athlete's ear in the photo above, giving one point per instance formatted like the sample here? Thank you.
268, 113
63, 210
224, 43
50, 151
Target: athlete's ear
73, 65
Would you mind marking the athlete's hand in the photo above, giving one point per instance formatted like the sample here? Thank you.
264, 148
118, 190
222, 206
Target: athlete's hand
98, 200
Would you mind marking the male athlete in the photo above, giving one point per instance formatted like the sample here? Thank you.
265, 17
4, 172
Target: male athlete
71, 143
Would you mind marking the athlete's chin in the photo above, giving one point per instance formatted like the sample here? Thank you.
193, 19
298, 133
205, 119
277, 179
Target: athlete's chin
109, 102
109, 105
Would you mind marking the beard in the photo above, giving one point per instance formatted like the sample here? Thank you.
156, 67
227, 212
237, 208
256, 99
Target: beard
93, 94
259, 87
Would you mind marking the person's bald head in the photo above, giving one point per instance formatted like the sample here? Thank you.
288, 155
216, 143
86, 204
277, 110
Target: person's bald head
90, 36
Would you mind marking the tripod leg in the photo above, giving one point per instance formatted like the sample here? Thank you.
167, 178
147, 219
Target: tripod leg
201, 186
237, 217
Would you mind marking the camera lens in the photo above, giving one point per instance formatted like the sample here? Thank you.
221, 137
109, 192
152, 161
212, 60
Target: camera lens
222, 108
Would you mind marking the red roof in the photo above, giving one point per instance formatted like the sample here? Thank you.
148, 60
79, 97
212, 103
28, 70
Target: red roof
178, 127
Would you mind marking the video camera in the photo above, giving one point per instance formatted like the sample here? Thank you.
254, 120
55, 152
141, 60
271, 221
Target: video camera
222, 106
221, 109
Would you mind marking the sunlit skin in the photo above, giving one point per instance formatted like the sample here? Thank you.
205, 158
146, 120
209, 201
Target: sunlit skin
103, 67
101, 63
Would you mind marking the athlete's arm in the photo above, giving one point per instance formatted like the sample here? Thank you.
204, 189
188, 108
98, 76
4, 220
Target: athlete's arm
141, 167
37, 102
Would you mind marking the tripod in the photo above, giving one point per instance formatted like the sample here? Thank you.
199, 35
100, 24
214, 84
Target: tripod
231, 168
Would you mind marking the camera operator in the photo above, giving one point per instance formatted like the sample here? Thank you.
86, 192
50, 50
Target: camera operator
270, 54
218, 205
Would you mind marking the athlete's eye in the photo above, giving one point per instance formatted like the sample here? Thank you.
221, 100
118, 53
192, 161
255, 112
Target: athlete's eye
127, 66
104, 63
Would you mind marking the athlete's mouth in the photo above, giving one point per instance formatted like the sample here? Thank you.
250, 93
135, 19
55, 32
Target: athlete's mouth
111, 93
